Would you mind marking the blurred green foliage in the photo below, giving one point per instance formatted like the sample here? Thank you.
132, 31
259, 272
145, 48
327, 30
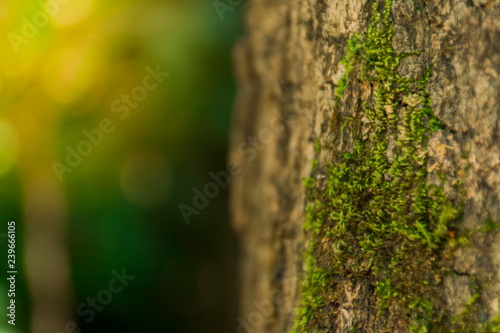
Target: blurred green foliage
122, 200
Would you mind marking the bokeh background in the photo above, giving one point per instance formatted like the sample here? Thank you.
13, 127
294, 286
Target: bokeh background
118, 207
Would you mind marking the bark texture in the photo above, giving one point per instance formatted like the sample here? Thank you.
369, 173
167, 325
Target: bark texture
288, 63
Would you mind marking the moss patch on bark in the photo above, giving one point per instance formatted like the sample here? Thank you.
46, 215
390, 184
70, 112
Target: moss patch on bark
379, 230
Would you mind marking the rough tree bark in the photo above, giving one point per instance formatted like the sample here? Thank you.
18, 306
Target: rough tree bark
288, 62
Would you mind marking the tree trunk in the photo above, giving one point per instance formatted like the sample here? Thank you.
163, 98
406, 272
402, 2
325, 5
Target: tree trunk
288, 67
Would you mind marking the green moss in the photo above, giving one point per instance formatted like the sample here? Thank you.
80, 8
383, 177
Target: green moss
375, 222
375, 219
353, 48
317, 146
490, 225
467, 322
